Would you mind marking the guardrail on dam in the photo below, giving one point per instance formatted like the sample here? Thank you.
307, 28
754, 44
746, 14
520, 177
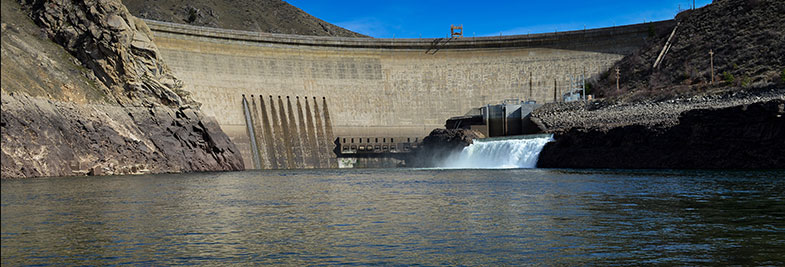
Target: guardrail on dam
373, 87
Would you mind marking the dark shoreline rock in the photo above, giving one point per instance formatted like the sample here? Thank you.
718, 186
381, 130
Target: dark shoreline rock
440, 144
747, 136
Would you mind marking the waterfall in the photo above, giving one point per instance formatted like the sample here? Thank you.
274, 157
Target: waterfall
499, 153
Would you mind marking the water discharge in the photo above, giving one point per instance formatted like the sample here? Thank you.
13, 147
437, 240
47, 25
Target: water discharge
513, 153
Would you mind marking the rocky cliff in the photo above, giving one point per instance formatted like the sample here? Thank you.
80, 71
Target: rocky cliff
116, 46
99, 100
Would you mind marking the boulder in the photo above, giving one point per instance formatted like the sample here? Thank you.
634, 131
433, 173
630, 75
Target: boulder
440, 144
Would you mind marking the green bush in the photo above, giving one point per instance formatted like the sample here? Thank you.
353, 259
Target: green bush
588, 87
728, 77
782, 75
746, 81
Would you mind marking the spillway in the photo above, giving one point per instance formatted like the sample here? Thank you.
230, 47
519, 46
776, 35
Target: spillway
495, 153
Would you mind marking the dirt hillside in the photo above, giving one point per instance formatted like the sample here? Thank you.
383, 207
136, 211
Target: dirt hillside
747, 38
274, 16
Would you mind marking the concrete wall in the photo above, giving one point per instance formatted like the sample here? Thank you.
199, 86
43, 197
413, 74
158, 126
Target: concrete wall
383, 87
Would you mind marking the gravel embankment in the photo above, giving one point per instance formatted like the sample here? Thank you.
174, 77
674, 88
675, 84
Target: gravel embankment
607, 114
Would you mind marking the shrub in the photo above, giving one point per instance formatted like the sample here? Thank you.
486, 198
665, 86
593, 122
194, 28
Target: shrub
588, 87
782, 75
652, 33
728, 77
746, 81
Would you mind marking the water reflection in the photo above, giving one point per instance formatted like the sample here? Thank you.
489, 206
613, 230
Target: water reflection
430, 217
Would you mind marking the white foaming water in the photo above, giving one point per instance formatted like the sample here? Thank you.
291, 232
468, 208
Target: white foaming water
499, 154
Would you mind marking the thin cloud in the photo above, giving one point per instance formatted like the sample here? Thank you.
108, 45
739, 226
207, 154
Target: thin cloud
662, 14
368, 26
536, 29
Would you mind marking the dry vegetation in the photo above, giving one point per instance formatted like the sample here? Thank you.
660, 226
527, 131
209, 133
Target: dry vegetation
746, 36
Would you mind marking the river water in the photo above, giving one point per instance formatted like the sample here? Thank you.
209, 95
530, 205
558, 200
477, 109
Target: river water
398, 216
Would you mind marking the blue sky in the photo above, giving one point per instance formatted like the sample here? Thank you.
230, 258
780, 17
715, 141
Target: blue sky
429, 19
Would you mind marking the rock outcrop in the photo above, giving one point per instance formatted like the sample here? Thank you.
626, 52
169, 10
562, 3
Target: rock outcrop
440, 144
726, 132
115, 45
101, 103
52, 138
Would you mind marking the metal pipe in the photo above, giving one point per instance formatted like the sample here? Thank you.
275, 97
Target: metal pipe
251, 134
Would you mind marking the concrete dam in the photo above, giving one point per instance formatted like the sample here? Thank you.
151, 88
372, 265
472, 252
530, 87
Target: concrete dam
300, 96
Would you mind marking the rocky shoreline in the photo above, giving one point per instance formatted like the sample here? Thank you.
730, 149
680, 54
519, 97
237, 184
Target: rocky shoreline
736, 129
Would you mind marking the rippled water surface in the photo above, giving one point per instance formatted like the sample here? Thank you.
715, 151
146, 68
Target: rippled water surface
398, 216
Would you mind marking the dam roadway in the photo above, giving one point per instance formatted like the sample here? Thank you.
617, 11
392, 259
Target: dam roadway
374, 88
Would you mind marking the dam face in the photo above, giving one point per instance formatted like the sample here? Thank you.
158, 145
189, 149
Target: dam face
374, 88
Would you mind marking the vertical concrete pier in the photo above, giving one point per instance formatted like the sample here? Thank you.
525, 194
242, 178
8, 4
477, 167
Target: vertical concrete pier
251, 134
279, 136
322, 146
294, 136
311, 132
329, 138
268, 136
306, 148
259, 140
287, 137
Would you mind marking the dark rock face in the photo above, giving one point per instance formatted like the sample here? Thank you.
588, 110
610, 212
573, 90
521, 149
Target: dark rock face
50, 138
440, 144
737, 137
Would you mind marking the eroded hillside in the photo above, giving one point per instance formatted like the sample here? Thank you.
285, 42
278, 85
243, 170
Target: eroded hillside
746, 37
273, 16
